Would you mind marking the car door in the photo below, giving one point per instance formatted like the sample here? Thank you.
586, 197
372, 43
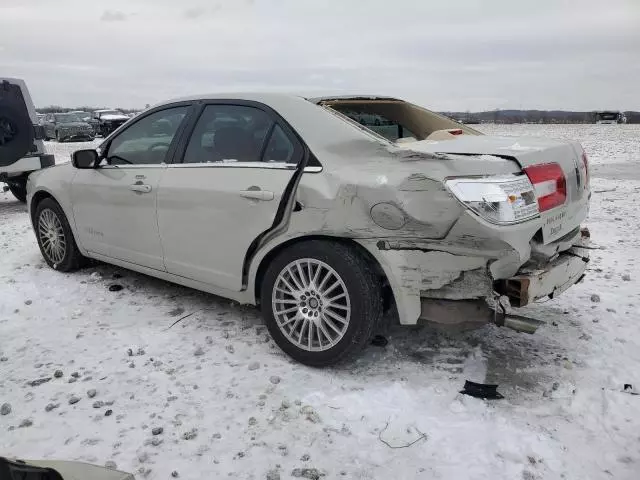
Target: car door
237, 162
114, 205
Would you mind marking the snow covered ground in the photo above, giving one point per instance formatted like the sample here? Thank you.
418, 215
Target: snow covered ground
231, 405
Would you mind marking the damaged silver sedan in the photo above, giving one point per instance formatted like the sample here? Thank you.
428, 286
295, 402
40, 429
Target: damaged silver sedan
325, 213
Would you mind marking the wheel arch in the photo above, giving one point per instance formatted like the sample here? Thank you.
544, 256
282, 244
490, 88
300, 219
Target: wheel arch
273, 252
42, 193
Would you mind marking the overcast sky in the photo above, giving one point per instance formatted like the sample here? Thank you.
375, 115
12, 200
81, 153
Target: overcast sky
446, 55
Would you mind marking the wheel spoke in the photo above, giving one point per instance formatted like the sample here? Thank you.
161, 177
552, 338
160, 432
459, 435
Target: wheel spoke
337, 305
330, 324
305, 282
310, 335
332, 287
299, 287
336, 317
286, 300
287, 310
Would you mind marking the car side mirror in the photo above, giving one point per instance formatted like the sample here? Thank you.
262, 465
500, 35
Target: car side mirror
85, 159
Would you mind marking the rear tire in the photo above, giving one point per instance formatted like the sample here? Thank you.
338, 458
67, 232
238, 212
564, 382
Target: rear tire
55, 238
321, 302
19, 190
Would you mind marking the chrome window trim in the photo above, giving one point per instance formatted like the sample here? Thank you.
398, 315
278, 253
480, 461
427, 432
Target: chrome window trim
261, 165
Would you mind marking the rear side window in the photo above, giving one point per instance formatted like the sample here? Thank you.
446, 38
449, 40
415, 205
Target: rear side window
279, 148
229, 133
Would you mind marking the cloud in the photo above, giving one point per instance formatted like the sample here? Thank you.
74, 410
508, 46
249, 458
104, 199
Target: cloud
113, 16
477, 56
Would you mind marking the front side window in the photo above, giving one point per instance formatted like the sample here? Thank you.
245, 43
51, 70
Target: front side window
229, 133
147, 141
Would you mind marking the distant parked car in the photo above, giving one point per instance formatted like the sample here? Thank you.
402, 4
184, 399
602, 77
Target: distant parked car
294, 205
87, 117
67, 126
108, 121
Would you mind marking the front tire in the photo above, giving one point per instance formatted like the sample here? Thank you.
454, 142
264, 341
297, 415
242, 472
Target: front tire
19, 190
321, 302
55, 238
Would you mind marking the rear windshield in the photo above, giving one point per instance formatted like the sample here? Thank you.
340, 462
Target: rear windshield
395, 119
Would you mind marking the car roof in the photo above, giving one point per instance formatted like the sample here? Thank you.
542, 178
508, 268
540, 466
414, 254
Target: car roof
325, 132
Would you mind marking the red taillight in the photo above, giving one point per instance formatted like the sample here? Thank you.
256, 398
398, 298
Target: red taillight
455, 131
549, 183
585, 161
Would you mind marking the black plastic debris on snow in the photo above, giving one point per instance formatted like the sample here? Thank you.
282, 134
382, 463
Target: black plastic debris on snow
628, 388
379, 341
481, 390
116, 287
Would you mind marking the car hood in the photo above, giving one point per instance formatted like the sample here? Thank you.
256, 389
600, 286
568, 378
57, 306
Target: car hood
114, 117
521, 148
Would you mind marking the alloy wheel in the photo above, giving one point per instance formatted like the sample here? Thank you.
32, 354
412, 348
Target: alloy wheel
52, 237
311, 304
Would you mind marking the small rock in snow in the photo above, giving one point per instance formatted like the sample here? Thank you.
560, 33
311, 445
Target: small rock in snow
5, 409
595, 298
253, 421
73, 380
273, 475
140, 351
39, 381
254, 365
191, 434
274, 379
73, 399
132, 365
157, 431
626, 277
230, 348
28, 302
175, 474
143, 457
58, 374
110, 464
310, 473
199, 351
156, 441
75, 375
27, 422
310, 414
216, 436
305, 458
51, 406
130, 352
108, 413
98, 404
91, 393
3, 359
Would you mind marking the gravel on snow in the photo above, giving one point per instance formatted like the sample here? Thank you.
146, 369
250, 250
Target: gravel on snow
564, 414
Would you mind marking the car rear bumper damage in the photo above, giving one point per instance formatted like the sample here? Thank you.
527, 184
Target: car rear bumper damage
453, 289
567, 269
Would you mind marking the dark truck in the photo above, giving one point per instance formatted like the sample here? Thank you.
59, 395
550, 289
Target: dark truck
21, 138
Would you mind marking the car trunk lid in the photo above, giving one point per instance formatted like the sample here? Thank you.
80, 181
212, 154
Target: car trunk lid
536, 156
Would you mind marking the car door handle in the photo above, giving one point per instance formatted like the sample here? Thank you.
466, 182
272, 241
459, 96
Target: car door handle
138, 187
257, 194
